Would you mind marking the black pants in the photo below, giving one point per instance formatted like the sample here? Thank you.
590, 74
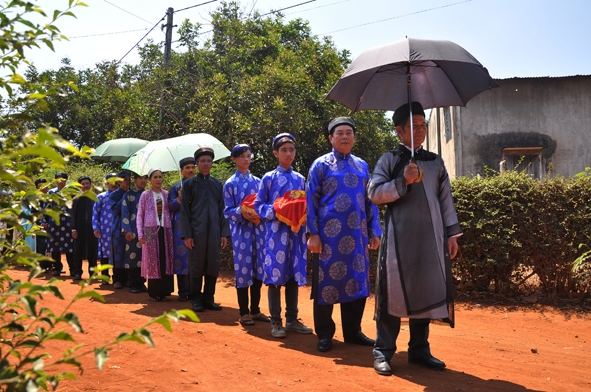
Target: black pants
120, 275
202, 288
255, 298
85, 246
165, 285
134, 277
351, 314
57, 261
388, 328
183, 284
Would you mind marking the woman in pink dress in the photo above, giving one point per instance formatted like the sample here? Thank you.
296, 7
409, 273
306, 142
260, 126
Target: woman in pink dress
155, 234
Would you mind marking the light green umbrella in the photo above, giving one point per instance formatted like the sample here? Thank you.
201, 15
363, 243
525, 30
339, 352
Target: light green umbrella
166, 154
118, 150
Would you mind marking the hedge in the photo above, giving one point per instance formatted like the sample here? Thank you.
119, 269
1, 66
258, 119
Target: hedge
517, 228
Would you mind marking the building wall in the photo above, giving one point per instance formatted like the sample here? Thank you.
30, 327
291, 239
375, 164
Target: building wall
553, 113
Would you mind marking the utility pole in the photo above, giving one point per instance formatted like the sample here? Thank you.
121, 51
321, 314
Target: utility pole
168, 41
167, 50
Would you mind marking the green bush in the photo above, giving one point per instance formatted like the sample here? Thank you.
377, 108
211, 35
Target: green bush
516, 227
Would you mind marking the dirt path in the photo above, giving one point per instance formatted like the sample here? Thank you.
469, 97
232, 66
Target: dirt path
491, 349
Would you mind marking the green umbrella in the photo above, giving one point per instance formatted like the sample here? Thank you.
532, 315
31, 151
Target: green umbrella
117, 150
166, 154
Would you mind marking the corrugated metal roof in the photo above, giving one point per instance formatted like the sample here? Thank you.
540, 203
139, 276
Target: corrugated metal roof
543, 77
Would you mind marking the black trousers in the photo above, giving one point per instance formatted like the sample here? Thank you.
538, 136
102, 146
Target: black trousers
183, 283
202, 287
165, 285
120, 275
255, 298
57, 261
388, 328
85, 246
351, 314
134, 277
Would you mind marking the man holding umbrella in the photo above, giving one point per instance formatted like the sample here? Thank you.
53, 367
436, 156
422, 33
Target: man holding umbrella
421, 228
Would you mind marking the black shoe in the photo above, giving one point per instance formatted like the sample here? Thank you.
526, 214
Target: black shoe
324, 345
360, 339
134, 290
143, 288
77, 277
382, 367
198, 306
183, 298
211, 305
56, 273
430, 362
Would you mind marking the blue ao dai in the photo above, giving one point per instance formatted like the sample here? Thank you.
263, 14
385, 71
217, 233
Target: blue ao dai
285, 251
340, 212
181, 252
133, 249
248, 238
102, 216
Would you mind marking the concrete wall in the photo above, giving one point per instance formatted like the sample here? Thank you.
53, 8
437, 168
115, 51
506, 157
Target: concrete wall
553, 113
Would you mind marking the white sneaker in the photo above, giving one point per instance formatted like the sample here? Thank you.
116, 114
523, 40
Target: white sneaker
297, 326
277, 330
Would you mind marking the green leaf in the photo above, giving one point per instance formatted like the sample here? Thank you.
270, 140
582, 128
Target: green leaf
91, 294
162, 320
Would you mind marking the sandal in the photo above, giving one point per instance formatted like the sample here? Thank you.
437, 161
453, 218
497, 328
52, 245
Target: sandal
246, 320
260, 317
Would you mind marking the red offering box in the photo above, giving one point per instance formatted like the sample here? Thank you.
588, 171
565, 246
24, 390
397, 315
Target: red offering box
248, 205
291, 209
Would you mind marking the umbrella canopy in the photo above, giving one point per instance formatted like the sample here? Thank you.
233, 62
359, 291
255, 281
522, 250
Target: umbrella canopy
166, 154
117, 150
437, 73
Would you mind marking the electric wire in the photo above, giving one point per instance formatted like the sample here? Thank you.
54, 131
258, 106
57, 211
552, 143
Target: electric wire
193, 6
115, 32
116, 6
396, 17
133, 47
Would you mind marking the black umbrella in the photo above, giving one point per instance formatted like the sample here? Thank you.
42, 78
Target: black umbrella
435, 73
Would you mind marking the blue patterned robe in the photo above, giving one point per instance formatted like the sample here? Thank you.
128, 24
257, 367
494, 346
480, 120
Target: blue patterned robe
117, 238
340, 212
60, 236
285, 251
248, 239
133, 249
102, 215
181, 252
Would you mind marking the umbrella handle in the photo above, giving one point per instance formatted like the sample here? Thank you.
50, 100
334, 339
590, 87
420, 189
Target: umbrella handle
421, 172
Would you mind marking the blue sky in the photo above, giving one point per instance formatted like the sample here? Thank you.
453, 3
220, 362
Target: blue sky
512, 38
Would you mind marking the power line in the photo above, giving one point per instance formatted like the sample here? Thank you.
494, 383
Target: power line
193, 6
320, 6
133, 47
268, 13
115, 32
396, 17
116, 6
286, 8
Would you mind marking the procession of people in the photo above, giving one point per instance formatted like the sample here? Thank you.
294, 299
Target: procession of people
274, 224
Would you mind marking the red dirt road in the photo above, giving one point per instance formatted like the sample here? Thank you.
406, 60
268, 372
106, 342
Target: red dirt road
491, 349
